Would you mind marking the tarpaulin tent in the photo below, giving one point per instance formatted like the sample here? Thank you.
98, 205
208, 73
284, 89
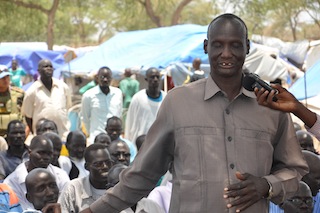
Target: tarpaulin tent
308, 85
144, 48
28, 57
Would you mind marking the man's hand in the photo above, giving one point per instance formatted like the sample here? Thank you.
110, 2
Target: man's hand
87, 210
52, 208
247, 192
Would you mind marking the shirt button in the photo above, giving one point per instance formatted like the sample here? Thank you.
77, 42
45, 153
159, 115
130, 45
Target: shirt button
230, 138
227, 111
231, 165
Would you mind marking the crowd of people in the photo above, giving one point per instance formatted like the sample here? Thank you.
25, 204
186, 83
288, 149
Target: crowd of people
207, 146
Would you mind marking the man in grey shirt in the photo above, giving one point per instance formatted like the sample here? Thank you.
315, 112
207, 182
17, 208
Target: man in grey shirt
229, 155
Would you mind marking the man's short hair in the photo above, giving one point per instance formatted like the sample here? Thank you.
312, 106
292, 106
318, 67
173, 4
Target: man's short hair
92, 148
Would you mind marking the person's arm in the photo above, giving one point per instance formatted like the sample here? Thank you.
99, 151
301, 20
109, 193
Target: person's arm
151, 163
29, 123
287, 103
86, 112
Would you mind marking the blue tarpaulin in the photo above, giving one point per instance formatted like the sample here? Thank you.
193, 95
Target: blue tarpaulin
144, 48
312, 79
28, 58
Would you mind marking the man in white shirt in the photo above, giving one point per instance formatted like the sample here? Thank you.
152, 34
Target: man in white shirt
144, 106
48, 98
41, 153
100, 103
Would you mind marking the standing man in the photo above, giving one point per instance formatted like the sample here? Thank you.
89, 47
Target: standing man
18, 77
144, 106
48, 98
100, 103
212, 130
197, 72
10, 101
129, 87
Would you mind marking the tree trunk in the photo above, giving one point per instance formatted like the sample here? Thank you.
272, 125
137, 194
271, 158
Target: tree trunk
176, 14
150, 12
50, 27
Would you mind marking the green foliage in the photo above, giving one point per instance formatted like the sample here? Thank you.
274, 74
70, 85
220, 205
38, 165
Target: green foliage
90, 22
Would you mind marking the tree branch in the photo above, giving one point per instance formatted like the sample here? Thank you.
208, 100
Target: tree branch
177, 12
150, 12
28, 5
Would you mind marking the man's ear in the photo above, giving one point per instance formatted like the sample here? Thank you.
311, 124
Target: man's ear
248, 46
205, 45
86, 166
29, 197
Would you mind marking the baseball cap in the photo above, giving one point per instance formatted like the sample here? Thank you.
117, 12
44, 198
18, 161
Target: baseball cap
4, 71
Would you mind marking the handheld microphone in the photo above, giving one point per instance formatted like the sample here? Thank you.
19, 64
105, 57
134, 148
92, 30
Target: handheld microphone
251, 80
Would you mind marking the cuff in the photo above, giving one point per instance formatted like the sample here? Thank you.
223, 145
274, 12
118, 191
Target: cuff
315, 129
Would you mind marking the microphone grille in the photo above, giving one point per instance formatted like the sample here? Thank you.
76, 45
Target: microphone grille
248, 82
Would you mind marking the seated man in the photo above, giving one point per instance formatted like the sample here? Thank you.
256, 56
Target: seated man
103, 138
81, 192
41, 150
17, 151
57, 145
74, 164
114, 130
42, 191
301, 202
120, 152
306, 141
9, 201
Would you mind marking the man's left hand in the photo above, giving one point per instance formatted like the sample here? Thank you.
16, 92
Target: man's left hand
247, 192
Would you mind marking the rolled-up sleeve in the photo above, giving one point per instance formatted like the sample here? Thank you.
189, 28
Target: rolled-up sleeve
289, 165
149, 165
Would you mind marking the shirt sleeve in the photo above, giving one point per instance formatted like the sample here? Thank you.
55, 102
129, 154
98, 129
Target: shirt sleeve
315, 129
149, 165
66, 199
288, 165
27, 104
86, 112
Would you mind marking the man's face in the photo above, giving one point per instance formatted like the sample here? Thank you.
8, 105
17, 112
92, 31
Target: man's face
41, 155
104, 78
301, 202
46, 127
77, 146
44, 191
46, 69
227, 47
4, 83
153, 79
99, 165
14, 64
103, 139
120, 153
17, 135
114, 129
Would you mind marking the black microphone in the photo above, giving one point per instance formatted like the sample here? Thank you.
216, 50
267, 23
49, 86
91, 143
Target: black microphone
251, 80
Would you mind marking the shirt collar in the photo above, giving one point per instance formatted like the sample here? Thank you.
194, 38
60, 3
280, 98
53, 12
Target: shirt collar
86, 192
211, 89
54, 82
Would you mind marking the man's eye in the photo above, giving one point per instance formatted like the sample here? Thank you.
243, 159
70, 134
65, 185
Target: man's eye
237, 45
216, 44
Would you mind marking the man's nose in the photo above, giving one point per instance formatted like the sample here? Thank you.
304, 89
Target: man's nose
226, 52
121, 157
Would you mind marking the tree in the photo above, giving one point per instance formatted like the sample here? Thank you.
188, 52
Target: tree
50, 13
